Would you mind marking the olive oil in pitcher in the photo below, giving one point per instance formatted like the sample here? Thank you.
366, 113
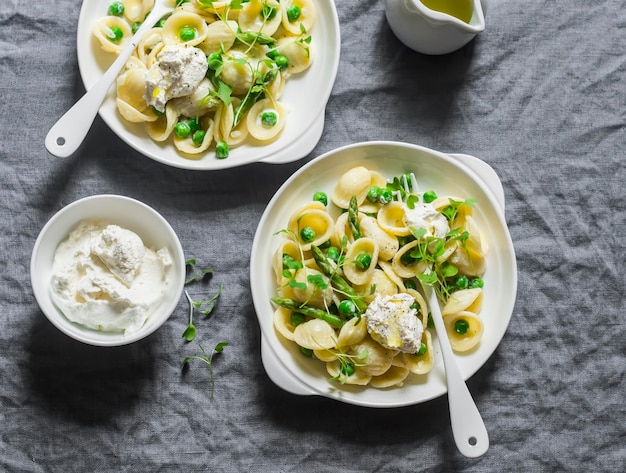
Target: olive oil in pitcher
461, 9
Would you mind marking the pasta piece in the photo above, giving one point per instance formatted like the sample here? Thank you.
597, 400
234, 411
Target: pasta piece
266, 119
150, 46
464, 342
387, 268
376, 179
136, 10
318, 221
220, 37
315, 334
325, 355
260, 16
298, 54
402, 257
351, 270
282, 323
178, 23
286, 247
375, 358
464, 299
423, 306
421, 364
394, 376
380, 282
358, 378
387, 244
198, 103
355, 182
189, 146
131, 86
312, 295
237, 71
352, 332
341, 231
105, 30
161, 129
391, 219
305, 19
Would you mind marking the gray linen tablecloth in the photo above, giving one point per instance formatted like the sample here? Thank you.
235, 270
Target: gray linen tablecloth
540, 96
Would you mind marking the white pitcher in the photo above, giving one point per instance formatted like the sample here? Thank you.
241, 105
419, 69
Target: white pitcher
431, 32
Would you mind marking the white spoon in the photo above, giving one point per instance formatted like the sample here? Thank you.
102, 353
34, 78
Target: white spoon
68, 133
468, 428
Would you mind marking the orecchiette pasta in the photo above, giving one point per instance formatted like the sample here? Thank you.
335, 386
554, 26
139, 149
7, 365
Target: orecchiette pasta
251, 49
354, 279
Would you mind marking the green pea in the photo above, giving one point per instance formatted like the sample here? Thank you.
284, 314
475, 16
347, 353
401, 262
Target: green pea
307, 234
269, 118
461, 326
422, 349
321, 197
198, 137
306, 351
116, 9
347, 308
214, 60
333, 253
272, 53
363, 261
158, 113
476, 283
116, 34
429, 196
373, 194
461, 282
282, 62
347, 369
386, 196
293, 13
297, 318
159, 24
186, 33
135, 26
221, 150
182, 130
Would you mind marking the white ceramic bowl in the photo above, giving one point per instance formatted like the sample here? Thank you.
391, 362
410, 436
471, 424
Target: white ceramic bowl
305, 95
460, 175
128, 213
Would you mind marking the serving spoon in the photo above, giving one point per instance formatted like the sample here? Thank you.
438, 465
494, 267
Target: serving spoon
468, 427
68, 133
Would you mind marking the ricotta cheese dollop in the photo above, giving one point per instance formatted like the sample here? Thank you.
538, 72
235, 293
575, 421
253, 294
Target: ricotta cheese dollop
425, 216
105, 278
177, 72
393, 323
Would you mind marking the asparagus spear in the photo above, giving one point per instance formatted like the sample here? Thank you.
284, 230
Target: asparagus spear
353, 218
332, 319
340, 283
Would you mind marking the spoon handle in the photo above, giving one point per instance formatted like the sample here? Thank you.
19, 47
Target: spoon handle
468, 428
68, 133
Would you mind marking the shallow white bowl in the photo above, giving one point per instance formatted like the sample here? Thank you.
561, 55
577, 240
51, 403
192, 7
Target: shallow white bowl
128, 213
305, 95
460, 175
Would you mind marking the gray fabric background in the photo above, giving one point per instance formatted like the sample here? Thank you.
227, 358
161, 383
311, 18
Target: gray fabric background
540, 96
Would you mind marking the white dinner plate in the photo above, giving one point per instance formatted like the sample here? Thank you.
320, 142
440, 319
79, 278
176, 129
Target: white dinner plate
459, 175
305, 95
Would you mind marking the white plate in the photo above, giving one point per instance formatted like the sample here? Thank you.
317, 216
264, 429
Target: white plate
460, 175
305, 95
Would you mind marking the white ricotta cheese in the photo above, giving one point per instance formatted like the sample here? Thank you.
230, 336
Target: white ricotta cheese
393, 323
177, 72
103, 277
426, 216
